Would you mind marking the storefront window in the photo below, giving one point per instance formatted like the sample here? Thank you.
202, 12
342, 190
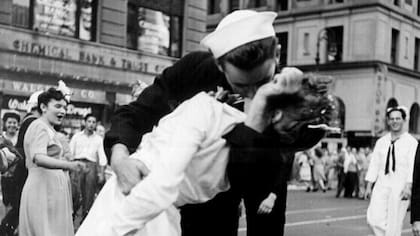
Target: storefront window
55, 16
86, 18
213, 7
72, 18
20, 13
153, 31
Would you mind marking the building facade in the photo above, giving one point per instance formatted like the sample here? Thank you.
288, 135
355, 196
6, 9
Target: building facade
99, 48
371, 47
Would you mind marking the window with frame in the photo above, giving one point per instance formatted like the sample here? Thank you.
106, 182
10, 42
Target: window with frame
282, 5
335, 1
153, 31
416, 54
233, 5
334, 44
413, 123
306, 40
73, 18
257, 3
283, 41
418, 8
21, 13
395, 37
213, 6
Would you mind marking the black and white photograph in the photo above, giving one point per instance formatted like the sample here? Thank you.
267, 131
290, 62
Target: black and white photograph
209, 117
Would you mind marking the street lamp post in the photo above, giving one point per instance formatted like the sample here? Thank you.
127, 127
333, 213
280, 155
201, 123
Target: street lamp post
322, 34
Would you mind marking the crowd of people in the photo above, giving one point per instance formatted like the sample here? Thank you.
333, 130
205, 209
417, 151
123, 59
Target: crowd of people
322, 169
48, 180
214, 129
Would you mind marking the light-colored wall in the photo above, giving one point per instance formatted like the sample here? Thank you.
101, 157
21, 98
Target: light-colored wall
195, 16
366, 36
403, 88
356, 88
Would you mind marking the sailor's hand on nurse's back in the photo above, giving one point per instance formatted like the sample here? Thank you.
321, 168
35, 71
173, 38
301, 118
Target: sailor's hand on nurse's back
129, 171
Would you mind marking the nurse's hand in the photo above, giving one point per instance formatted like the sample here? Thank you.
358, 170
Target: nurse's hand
416, 228
129, 171
406, 192
287, 82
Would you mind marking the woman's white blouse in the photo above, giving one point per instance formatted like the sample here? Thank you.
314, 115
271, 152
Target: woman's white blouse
187, 158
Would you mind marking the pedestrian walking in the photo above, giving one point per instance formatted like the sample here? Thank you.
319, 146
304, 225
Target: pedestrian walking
87, 147
391, 169
331, 158
319, 170
362, 166
46, 206
305, 174
17, 178
350, 171
341, 175
10, 196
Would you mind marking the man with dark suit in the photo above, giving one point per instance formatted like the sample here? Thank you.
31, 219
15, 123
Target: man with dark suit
415, 195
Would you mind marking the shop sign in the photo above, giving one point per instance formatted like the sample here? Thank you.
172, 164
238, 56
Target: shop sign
21, 104
84, 95
16, 104
380, 100
82, 52
55, 16
78, 111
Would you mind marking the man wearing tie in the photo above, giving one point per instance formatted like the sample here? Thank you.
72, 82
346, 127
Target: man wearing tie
391, 169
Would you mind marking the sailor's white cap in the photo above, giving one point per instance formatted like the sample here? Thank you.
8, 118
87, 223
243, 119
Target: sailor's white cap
238, 28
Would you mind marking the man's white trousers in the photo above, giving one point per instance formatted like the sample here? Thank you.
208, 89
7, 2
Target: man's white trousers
386, 210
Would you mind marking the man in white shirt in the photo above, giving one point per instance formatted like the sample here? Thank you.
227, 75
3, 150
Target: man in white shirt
391, 169
350, 171
87, 146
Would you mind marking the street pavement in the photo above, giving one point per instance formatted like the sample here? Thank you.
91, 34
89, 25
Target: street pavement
318, 213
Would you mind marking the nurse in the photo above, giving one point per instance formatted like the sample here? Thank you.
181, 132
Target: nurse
187, 156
